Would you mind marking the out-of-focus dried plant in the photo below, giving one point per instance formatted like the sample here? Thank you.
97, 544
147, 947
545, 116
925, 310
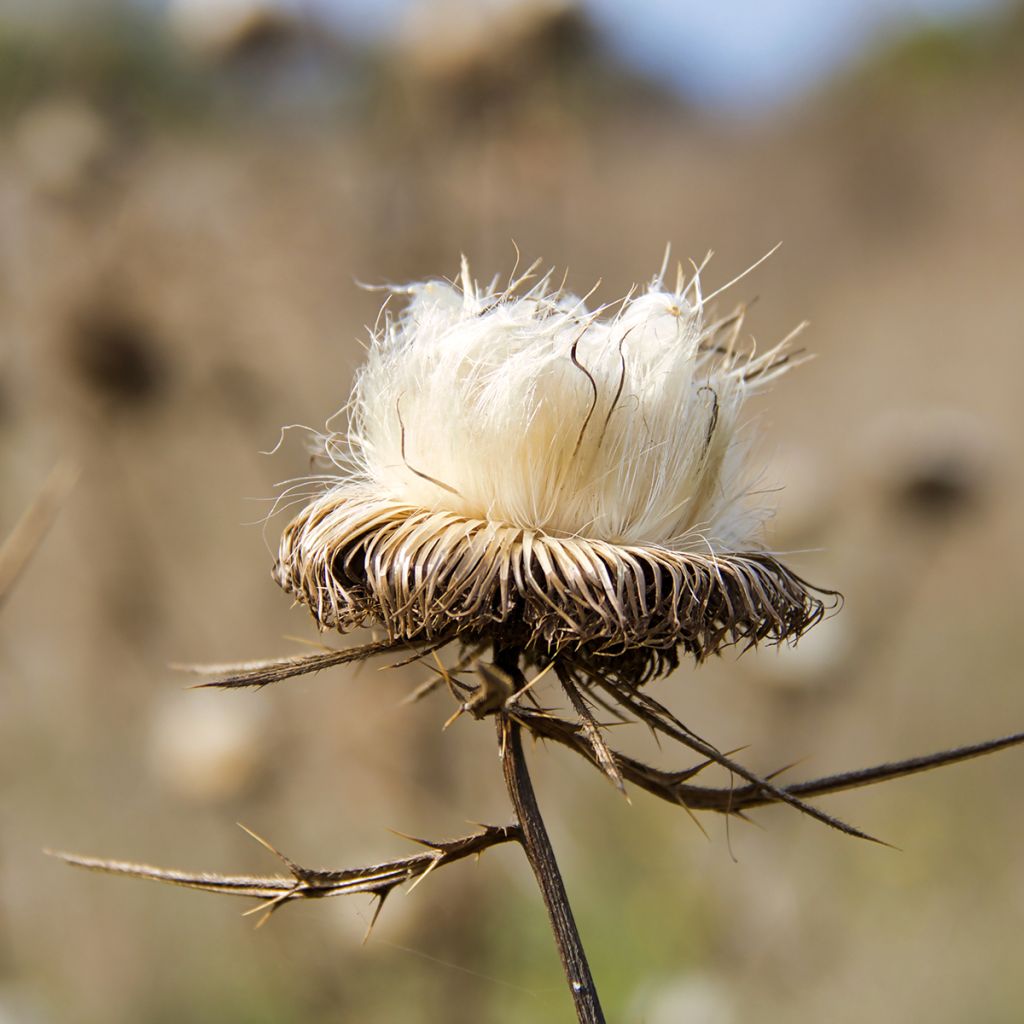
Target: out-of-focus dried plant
24, 540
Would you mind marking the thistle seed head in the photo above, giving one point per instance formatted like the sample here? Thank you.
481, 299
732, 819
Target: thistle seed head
520, 469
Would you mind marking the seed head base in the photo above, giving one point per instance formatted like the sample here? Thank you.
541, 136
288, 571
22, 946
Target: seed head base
425, 576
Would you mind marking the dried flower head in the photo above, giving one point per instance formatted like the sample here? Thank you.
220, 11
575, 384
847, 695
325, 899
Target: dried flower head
521, 470
569, 488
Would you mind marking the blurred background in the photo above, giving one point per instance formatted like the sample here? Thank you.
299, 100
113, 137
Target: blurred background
190, 191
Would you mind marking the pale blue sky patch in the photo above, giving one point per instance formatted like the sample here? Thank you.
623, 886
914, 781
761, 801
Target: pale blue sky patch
736, 55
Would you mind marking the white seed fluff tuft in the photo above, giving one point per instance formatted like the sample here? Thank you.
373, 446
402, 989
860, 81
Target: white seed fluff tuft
525, 408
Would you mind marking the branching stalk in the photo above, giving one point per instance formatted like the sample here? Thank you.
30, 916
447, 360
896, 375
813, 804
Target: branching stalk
502, 687
309, 883
675, 787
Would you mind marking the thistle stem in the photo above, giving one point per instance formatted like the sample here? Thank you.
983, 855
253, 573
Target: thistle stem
535, 842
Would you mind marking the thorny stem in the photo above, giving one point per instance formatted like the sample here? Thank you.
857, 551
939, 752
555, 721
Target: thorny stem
535, 842
301, 883
498, 696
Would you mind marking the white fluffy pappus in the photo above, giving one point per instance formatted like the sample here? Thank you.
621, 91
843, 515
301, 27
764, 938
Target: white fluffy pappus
619, 425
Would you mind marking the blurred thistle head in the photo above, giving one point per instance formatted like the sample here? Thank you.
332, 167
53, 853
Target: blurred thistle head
519, 470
